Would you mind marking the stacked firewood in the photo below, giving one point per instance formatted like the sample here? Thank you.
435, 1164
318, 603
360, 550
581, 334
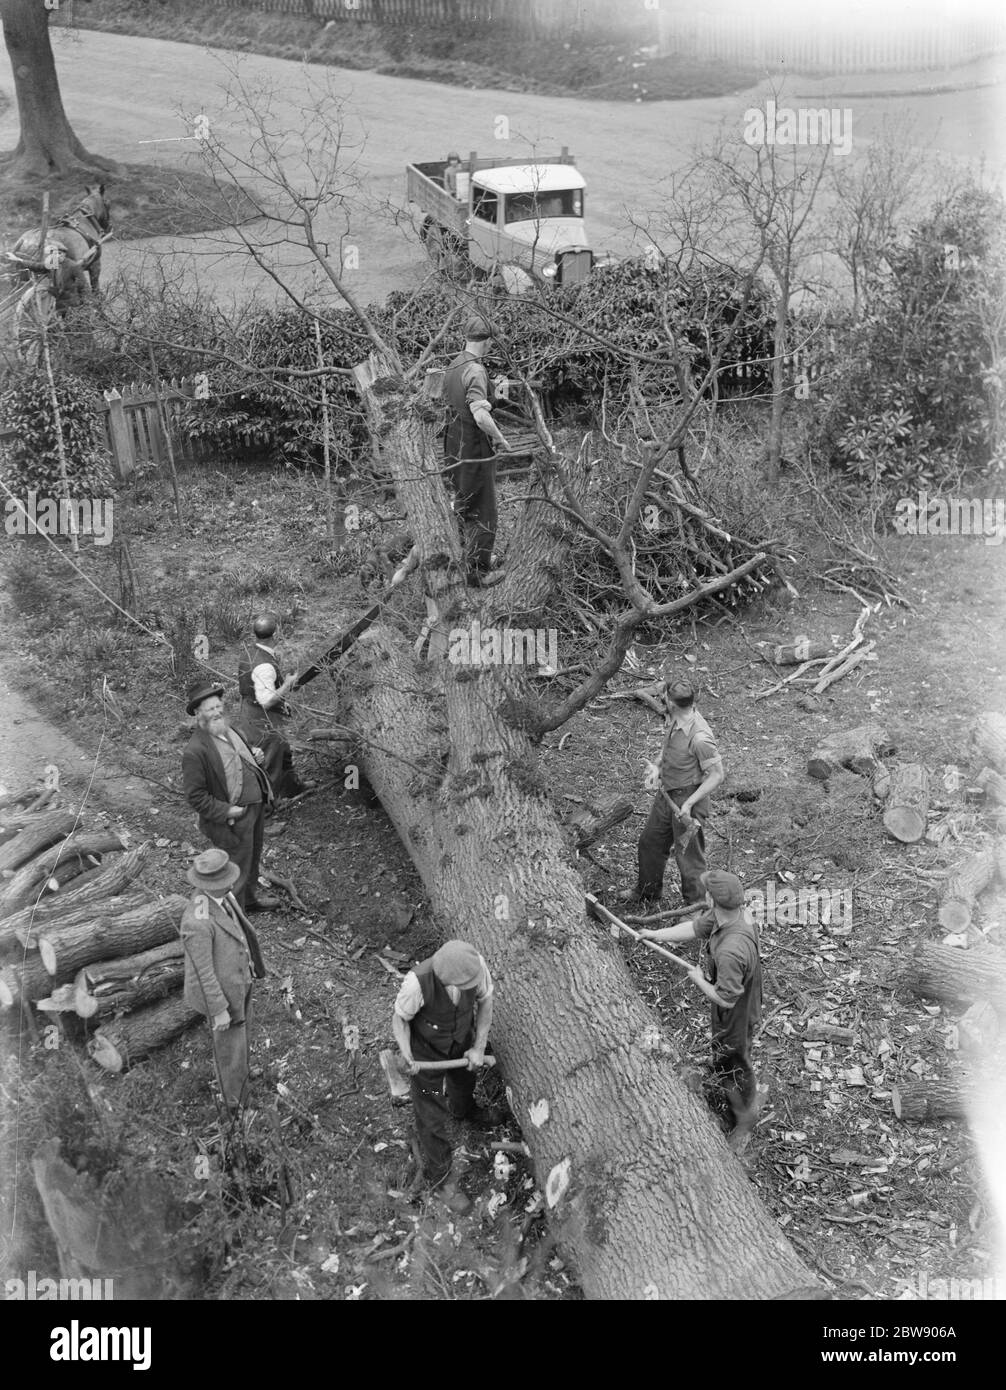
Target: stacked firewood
81, 936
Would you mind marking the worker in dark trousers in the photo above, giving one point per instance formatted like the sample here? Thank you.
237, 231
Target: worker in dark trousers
264, 711
690, 768
444, 1010
471, 441
730, 976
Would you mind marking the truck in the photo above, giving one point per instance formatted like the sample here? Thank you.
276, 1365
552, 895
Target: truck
518, 220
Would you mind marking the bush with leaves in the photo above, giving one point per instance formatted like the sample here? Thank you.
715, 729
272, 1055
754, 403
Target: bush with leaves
914, 395
33, 457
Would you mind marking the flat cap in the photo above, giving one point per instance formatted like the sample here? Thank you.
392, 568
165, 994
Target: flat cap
726, 890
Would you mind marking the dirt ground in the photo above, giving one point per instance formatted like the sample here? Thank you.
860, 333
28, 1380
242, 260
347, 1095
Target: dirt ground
326, 1213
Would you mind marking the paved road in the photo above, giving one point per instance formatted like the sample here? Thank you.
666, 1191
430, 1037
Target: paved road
120, 90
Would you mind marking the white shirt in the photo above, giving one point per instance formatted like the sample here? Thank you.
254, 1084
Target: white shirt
264, 678
410, 996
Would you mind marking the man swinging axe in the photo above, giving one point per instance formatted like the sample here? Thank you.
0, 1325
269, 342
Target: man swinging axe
730, 977
443, 1012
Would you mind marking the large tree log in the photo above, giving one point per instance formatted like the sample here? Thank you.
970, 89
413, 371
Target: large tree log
591, 822
96, 888
118, 1045
116, 986
944, 972
53, 826
947, 1098
859, 750
605, 1116
27, 882
27, 981
961, 891
20, 931
907, 802
103, 938
989, 739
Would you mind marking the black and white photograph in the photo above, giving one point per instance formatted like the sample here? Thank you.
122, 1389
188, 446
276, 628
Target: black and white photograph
503, 702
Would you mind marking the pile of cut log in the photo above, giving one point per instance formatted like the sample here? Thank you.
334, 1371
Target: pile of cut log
80, 936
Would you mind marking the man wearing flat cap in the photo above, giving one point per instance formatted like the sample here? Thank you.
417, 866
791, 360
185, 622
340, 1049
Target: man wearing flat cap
689, 770
471, 440
730, 976
444, 1010
222, 958
228, 790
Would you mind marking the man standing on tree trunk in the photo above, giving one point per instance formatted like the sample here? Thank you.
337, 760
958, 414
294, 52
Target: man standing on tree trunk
690, 768
471, 440
227, 788
264, 711
730, 976
444, 1011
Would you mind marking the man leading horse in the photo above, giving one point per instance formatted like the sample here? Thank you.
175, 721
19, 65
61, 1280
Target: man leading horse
81, 234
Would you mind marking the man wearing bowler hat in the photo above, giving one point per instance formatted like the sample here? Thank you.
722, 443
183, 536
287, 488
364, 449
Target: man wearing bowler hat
227, 788
690, 768
444, 1010
470, 443
222, 959
730, 977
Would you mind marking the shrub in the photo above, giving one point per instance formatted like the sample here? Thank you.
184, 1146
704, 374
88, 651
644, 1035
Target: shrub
26, 407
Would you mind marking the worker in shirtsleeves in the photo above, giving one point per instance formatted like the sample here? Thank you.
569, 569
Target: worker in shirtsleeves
443, 1011
730, 977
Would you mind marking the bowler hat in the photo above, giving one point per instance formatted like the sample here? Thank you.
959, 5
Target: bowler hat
213, 872
477, 330
200, 691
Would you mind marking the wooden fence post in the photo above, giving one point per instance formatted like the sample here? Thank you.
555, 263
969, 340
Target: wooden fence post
120, 434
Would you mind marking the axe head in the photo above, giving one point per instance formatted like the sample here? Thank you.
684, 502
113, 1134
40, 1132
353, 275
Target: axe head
397, 1083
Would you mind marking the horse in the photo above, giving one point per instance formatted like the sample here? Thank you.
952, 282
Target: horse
80, 233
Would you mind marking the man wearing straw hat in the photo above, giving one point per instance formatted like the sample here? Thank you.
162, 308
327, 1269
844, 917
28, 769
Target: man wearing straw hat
222, 959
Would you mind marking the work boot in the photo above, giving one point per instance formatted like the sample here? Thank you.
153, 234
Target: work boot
483, 1117
631, 897
262, 902
745, 1119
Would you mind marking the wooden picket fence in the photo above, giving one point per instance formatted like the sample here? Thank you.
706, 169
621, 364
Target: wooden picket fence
531, 17
134, 434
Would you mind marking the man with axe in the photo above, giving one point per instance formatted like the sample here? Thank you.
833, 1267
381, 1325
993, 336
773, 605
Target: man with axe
730, 977
442, 1014
690, 768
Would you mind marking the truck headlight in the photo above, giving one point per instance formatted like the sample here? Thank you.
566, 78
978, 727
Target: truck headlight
550, 271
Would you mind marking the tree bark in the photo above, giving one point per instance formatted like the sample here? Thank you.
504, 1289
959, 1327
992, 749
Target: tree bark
24, 886
989, 739
448, 752
53, 826
116, 986
944, 972
21, 930
959, 895
591, 822
858, 749
118, 1045
948, 1098
47, 145
907, 803
104, 938
95, 889
28, 981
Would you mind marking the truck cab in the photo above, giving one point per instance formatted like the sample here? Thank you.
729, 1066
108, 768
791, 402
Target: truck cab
530, 216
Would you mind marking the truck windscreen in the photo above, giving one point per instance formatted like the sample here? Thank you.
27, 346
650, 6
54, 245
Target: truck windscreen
534, 207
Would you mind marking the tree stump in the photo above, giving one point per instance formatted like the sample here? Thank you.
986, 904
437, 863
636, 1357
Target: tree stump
959, 894
118, 1045
53, 826
859, 750
116, 986
907, 803
103, 938
989, 739
946, 973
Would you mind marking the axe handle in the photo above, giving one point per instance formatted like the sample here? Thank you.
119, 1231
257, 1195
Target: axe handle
683, 819
617, 922
452, 1065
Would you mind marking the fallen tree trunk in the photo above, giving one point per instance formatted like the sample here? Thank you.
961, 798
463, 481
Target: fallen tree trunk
97, 887
859, 750
448, 751
947, 1098
989, 740
20, 931
53, 826
959, 895
907, 802
116, 986
591, 822
27, 882
944, 972
118, 1045
993, 784
103, 938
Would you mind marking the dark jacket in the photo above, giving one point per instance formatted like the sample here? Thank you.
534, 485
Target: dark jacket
440, 1022
205, 783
